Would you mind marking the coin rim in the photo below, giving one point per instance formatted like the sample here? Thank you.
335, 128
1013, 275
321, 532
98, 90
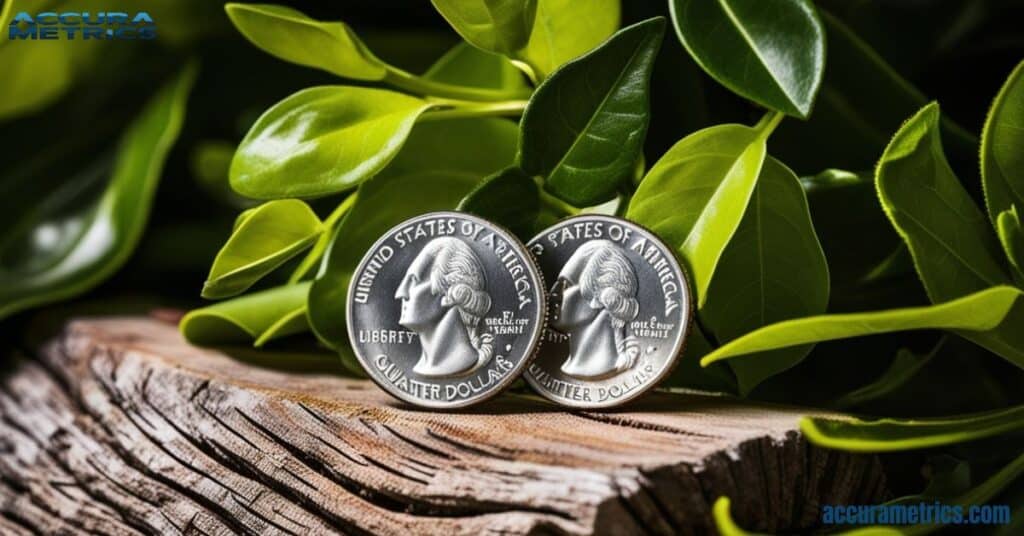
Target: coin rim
679, 346
535, 340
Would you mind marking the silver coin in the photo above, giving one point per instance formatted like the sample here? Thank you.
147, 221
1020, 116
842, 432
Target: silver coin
620, 309
445, 310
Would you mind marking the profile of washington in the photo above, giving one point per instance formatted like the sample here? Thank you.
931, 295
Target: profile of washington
443, 299
595, 300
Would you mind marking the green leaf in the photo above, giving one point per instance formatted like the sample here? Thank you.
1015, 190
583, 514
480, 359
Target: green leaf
1002, 160
772, 269
509, 198
334, 47
462, 65
258, 317
63, 249
584, 128
501, 26
903, 367
465, 65
862, 101
978, 312
292, 36
888, 435
264, 239
562, 33
1012, 239
954, 251
695, 196
441, 163
772, 53
323, 140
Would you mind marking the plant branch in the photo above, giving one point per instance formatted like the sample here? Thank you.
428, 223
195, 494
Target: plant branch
767, 124
454, 109
423, 86
554, 203
313, 257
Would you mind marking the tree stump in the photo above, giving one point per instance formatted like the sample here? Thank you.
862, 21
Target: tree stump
120, 427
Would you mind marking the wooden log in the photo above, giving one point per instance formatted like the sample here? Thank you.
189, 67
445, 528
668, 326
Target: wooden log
120, 427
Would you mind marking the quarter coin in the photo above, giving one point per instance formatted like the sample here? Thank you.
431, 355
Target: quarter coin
445, 310
620, 309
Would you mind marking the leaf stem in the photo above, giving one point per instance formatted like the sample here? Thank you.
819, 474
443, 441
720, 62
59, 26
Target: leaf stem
555, 204
529, 70
454, 109
424, 86
626, 191
767, 124
313, 257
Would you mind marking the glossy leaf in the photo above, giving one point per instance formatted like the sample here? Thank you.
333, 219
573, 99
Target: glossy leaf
442, 162
562, 33
695, 196
509, 198
63, 251
1011, 236
979, 312
501, 26
292, 36
323, 140
584, 128
772, 269
1002, 140
954, 250
770, 52
257, 317
888, 435
334, 47
266, 237
903, 367
465, 65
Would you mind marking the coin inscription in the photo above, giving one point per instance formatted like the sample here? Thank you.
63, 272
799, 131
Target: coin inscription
445, 310
620, 310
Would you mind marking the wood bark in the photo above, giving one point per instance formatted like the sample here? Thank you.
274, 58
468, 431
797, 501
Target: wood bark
118, 426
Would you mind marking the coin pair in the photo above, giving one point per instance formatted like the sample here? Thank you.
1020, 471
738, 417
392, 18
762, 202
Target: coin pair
447, 309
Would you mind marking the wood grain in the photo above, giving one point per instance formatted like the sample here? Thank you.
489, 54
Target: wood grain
120, 427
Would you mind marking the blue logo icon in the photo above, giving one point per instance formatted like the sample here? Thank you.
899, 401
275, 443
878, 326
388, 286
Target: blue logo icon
72, 25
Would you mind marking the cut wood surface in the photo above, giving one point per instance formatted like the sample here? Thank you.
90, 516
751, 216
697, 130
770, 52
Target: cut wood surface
119, 427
